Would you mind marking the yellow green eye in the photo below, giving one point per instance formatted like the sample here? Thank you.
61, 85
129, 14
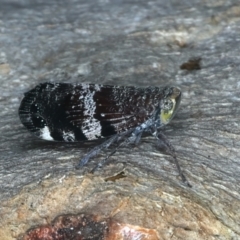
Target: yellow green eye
170, 105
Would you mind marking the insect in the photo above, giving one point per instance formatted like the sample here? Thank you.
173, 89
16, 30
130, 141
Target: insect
80, 112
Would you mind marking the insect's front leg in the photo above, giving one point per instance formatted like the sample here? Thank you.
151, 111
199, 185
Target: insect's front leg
163, 143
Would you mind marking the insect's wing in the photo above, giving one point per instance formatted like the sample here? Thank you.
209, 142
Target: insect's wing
66, 112
42, 111
106, 110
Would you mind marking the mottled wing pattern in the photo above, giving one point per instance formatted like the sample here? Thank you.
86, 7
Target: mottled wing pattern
106, 110
66, 112
42, 110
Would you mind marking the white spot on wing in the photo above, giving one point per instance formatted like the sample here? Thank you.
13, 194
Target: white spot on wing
45, 134
68, 136
97, 87
93, 130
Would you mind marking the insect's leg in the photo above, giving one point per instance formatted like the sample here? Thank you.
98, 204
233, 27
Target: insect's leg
129, 140
101, 163
138, 138
163, 142
96, 150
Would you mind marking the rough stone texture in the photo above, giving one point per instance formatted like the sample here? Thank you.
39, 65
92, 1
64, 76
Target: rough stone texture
138, 43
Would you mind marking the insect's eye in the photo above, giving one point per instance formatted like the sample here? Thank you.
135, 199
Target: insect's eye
169, 106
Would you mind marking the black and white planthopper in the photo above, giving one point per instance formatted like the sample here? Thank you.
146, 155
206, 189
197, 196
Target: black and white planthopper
80, 112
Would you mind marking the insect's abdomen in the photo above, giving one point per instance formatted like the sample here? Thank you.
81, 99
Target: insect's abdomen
66, 112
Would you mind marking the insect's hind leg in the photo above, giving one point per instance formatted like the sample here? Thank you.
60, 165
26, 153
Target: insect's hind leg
163, 142
95, 151
128, 140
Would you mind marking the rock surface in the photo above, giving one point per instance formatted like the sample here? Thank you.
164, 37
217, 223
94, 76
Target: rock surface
137, 43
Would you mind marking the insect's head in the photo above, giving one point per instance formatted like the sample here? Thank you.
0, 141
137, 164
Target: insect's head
170, 104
